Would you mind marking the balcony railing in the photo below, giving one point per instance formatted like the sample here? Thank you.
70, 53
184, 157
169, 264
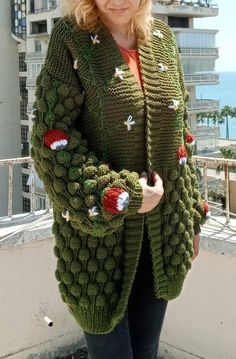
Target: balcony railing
51, 7
200, 3
203, 105
199, 52
16, 161
201, 79
206, 163
35, 55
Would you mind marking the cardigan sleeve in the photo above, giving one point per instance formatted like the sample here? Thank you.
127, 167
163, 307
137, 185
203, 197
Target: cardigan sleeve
200, 207
92, 197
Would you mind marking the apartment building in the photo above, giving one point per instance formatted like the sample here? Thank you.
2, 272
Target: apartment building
10, 132
32, 22
198, 52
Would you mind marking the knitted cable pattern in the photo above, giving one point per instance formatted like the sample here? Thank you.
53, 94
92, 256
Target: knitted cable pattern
95, 131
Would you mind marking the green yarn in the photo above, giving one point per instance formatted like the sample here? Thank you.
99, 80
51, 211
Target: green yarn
97, 255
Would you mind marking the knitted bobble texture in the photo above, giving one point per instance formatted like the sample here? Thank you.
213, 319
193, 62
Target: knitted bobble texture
68, 170
94, 132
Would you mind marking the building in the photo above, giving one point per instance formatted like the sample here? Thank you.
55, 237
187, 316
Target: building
11, 65
32, 24
198, 52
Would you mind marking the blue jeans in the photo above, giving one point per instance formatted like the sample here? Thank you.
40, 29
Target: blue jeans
137, 335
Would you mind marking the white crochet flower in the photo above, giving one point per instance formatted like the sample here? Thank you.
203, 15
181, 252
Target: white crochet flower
76, 64
158, 34
129, 123
93, 211
174, 105
162, 67
66, 215
119, 73
95, 39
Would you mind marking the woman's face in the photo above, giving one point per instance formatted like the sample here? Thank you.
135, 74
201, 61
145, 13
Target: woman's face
118, 12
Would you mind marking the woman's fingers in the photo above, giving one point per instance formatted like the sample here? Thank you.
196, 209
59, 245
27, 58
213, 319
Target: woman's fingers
143, 178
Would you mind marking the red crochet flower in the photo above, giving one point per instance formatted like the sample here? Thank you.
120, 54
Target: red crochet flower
56, 139
190, 138
115, 200
182, 155
206, 210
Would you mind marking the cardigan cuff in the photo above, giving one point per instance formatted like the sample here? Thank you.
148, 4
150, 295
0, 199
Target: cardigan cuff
136, 198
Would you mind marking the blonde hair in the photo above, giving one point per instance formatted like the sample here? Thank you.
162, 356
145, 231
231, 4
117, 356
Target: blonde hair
88, 17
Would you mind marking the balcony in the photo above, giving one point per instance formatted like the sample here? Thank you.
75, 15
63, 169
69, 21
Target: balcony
201, 79
199, 52
201, 323
203, 105
35, 56
184, 8
51, 5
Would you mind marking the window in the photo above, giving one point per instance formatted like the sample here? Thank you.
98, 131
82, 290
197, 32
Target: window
23, 110
31, 6
178, 22
23, 90
19, 18
39, 27
25, 187
37, 46
24, 134
26, 205
22, 64
40, 203
34, 70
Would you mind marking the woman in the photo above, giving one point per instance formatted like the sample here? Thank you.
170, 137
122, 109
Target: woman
111, 143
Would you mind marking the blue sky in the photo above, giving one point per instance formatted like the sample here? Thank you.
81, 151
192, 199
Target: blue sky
225, 22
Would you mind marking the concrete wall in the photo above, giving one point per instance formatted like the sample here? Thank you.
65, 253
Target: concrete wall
10, 133
201, 323
28, 293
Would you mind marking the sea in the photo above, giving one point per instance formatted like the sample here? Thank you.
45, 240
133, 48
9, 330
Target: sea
225, 91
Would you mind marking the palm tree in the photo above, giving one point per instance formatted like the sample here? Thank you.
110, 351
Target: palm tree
218, 117
225, 113
214, 116
227, 152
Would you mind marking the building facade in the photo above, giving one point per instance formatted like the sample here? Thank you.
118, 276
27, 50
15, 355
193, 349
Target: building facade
197, 49
10, 86
198, 53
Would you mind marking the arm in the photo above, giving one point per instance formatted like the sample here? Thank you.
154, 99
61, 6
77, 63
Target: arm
200, 208
94, 198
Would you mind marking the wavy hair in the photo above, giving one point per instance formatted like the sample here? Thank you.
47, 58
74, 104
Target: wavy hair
88, 16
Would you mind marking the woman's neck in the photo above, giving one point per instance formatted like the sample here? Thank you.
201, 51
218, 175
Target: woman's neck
123, 35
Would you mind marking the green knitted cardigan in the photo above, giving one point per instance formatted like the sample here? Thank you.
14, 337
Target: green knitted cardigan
115, 131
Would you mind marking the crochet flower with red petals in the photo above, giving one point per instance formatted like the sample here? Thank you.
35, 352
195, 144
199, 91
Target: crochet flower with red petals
206, 210
182, 155
115, 200
190, 138
56, 139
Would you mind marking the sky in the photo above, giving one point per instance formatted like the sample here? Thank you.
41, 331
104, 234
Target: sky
225, 22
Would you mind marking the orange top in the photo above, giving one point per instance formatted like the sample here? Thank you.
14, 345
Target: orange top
132, 59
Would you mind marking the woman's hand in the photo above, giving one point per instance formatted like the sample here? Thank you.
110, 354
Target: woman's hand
151, 195
196, 241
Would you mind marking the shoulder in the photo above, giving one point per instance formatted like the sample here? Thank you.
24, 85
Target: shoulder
163, 28
65, 29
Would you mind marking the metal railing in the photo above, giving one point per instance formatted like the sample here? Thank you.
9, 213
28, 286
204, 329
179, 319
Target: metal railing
206, 163
199, 3
201, 79
203, 104
186, 51
212, 163
16, 161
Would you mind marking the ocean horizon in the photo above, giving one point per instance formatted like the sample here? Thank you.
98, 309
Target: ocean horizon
225, 92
